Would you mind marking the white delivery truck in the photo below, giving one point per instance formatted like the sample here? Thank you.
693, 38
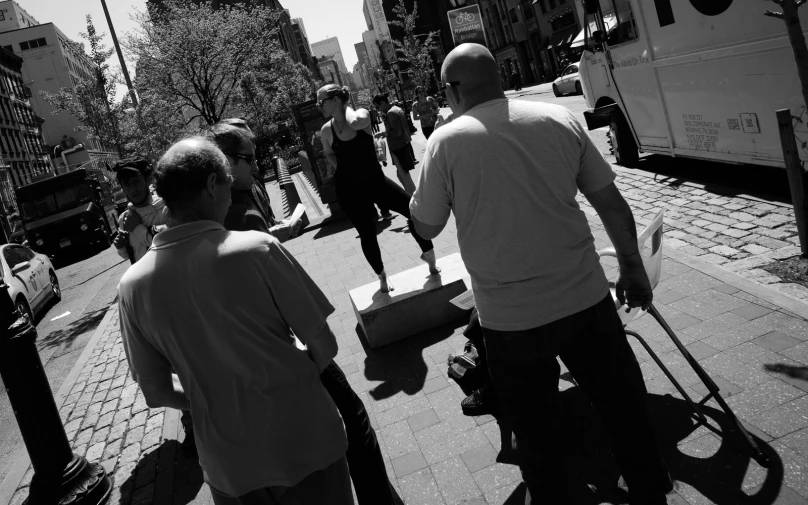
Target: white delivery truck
691, 78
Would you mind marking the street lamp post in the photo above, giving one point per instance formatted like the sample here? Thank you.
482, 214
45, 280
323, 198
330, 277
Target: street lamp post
60, 475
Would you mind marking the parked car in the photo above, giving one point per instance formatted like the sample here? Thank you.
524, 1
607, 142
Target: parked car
568, 82
30, 277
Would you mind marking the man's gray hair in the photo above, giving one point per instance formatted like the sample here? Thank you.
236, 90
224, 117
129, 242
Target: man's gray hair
183, 171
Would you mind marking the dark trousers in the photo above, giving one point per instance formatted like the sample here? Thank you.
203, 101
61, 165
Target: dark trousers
356, 199
474, 332
405, 157
593, 346
364, 455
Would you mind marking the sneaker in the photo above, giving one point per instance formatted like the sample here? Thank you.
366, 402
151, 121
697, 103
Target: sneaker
475, 404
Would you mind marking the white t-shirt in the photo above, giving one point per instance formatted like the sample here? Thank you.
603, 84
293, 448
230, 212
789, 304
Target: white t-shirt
220, 309
510, 171
153, 214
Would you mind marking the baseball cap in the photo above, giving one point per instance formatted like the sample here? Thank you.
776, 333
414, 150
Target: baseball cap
138, 165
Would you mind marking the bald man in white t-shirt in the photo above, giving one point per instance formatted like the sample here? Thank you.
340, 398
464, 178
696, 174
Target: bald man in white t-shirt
510, 170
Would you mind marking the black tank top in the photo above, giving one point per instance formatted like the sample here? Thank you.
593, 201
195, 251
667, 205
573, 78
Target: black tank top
356, 158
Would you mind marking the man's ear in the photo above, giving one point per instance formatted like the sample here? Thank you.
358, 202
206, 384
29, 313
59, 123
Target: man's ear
210, 185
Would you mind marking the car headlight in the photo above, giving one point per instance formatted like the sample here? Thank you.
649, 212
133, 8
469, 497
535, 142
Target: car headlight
84, 227
40, 242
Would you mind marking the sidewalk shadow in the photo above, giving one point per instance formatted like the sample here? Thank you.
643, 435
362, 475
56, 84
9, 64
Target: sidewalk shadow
333, 228
67, 335
715, 466
401, 365
795, 372
176, 477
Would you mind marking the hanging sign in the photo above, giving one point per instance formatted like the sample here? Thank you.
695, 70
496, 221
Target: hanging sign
467, 25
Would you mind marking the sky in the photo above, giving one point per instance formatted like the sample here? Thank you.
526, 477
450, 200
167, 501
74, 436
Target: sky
322, 18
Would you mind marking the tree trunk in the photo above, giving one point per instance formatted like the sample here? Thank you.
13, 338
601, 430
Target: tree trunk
794, 27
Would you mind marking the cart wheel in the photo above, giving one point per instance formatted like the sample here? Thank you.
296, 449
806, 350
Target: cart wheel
623, 145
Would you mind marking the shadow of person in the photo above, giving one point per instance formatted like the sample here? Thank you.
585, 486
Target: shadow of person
401, 365
165, 475
717, 467
795, 372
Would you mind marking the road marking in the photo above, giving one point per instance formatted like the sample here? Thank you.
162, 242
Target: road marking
63, 315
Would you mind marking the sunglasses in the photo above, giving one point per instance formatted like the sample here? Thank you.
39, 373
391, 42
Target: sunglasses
320, 102
246, 157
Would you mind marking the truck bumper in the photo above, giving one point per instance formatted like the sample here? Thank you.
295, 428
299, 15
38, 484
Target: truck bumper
599, 117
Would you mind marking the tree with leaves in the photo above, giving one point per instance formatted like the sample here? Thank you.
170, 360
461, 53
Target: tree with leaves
195, 55
411, 50
89, 101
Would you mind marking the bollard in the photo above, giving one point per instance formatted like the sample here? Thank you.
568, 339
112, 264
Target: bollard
60, 476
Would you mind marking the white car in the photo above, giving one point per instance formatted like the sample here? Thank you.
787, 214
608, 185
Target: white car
568, 82
30, 277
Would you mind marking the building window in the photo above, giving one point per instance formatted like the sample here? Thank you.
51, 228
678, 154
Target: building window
514, 15
2, 16
552, 4
542, 7
9, 48
24, 46
42, 42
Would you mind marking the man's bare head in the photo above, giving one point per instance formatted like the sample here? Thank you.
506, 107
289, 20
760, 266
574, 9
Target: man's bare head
471, 72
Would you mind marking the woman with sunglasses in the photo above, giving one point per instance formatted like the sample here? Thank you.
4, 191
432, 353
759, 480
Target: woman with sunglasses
359, 180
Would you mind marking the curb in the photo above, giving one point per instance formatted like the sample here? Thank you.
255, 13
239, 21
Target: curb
733, 279
21, 460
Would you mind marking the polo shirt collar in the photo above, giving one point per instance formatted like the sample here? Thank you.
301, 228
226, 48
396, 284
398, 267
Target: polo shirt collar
183, 232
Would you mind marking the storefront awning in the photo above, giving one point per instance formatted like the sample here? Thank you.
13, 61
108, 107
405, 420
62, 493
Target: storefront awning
561, 38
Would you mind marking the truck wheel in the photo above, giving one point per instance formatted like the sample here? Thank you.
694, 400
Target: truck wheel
623, 145
578, 88
555, 90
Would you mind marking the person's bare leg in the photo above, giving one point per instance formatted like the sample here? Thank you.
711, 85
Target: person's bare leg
431, 260
406, 180
385, 284
403, 176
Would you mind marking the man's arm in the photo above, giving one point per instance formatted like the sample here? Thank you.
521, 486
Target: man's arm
164, 392
431, 201
427, 231
151, 370
357, 119
302, 305
633, 287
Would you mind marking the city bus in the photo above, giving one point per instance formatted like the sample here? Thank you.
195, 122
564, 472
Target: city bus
67, 212
691, 78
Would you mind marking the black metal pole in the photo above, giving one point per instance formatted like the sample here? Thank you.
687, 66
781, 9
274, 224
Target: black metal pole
58, 473
120, 55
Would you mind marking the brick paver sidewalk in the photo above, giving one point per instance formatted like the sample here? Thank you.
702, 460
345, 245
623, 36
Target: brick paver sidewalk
750, 339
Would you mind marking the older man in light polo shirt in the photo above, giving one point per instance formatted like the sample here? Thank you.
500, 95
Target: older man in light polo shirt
221, 309
510, 171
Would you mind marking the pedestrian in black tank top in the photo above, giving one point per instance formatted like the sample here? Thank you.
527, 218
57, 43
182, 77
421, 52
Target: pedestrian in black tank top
359, 180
